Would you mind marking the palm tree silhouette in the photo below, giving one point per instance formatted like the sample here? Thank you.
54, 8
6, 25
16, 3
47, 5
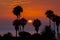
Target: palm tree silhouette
17, 10
36, 24
23, 22
57, 19
48, 34
49, 14
54, 18
16, 23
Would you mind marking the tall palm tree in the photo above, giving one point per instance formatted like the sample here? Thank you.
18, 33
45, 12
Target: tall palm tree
57, 19
23, 22
49, 14
17, 10
36, 24
48, 34
16, 23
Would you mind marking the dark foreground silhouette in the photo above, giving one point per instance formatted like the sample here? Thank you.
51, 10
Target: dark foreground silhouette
48, 34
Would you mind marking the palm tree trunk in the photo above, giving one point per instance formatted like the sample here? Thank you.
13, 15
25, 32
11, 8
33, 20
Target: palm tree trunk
16, 33
19, 28
20, 25
57, 30
54, 26
23, 27
49, 22
17, 17
37, 29
57, 33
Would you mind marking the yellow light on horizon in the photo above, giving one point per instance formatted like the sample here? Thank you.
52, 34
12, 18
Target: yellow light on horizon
30, 21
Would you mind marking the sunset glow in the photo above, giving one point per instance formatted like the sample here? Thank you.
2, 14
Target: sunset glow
30, 21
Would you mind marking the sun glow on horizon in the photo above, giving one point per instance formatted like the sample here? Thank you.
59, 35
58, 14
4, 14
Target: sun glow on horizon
30, 21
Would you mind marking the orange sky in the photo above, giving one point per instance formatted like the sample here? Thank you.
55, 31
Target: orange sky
32, 9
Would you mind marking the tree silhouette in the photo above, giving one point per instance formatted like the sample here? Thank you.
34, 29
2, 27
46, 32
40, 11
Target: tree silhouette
23, 22
57, 19
0, 36
16, 23
48, 34
25, 35
8, 35
36, 36
17, 10
51, 16
36, 24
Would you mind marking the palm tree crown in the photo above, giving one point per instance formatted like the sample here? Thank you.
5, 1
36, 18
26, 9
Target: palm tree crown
23, 22
36, 24
49, 14
17, 10
16, 22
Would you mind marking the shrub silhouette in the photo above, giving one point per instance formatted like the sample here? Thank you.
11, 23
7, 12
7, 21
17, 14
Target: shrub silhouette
36, 36
8, 35
24, 35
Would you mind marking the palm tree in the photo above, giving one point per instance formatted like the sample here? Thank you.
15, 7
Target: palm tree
17, 10
48, 34
57, 19
50, 15
54, 18
16, 23
23, 22
36, 24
